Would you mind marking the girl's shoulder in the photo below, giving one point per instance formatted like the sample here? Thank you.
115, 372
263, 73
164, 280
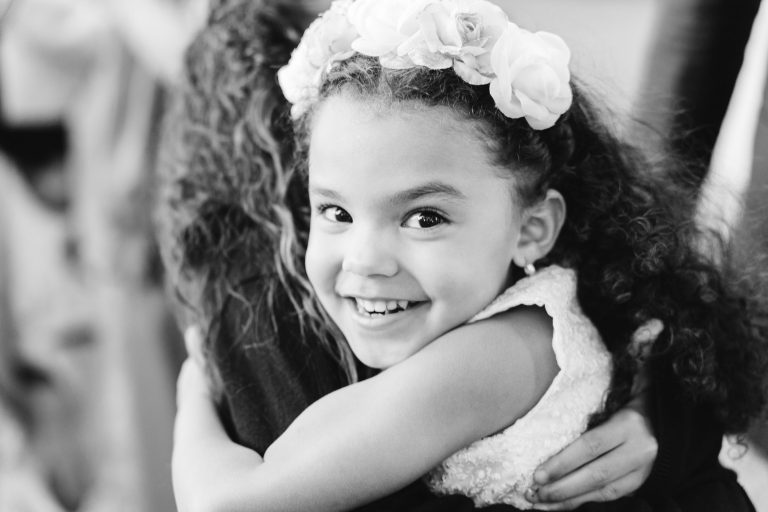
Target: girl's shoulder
575, 340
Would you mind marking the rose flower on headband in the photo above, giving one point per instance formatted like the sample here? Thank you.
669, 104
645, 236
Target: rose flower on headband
527, 72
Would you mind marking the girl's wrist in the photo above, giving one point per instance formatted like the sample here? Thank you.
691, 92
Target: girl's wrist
192, 384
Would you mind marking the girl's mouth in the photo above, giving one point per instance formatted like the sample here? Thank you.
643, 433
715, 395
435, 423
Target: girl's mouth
381, 307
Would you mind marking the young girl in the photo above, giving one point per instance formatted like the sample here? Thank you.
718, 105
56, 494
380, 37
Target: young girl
431, 189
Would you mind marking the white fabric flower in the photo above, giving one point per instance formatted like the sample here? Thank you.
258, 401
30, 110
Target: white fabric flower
326, 41
458, 34
532, 76
528, 73
382, 24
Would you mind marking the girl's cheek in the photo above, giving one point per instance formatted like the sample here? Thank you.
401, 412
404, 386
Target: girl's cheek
311, 263
319, 262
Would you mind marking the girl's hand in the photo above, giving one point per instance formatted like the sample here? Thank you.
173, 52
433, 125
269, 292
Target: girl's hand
205, 461
194, 416
193, 342
192, 385
192, 382
196, 428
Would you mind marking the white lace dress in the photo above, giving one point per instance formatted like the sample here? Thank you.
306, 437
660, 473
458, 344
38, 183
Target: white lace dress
499, 468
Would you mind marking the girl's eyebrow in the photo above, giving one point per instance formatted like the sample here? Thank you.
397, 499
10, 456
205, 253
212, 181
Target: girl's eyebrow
428, 189
405, 196
325, 192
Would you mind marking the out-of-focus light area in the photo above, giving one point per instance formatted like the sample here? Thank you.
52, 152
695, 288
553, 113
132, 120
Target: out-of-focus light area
89, 347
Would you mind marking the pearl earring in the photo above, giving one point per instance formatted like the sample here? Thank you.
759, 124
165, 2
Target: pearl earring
529, 269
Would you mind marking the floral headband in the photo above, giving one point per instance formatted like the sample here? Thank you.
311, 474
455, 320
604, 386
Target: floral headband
527, 72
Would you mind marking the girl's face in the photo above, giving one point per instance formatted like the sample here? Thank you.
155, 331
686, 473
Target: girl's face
413, 230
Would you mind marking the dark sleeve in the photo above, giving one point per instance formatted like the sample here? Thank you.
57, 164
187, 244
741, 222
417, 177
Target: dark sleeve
269, 374
687, 474
688, 440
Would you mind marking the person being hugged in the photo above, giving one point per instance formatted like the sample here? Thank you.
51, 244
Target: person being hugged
479, 235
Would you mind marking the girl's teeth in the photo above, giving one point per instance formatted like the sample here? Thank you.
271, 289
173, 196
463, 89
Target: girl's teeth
381, 306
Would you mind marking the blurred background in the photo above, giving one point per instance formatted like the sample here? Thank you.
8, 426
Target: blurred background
89, 349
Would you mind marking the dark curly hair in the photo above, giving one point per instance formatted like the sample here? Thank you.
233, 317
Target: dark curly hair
630, 233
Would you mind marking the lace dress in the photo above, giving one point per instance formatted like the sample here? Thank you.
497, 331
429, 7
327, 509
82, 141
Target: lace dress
499, 468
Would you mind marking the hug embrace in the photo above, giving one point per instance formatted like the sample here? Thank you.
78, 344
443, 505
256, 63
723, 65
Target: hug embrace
420, 266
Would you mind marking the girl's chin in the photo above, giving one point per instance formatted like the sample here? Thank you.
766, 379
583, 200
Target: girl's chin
379, 360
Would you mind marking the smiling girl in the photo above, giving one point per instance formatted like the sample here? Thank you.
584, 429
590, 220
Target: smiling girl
477, 234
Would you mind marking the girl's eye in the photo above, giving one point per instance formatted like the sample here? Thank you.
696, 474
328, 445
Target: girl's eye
335, 214
424, 219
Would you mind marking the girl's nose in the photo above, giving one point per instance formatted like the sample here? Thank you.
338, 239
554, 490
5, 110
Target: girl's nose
369, 253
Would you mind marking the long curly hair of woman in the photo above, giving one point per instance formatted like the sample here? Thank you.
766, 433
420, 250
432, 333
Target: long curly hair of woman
225, 208
630, 233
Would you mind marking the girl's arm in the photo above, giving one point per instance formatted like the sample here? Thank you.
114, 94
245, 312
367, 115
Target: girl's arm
369, 439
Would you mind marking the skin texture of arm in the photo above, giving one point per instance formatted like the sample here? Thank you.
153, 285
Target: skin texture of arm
372, 438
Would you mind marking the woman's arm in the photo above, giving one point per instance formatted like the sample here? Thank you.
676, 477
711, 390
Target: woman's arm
672, 465
604, 464
613, 459
372, 438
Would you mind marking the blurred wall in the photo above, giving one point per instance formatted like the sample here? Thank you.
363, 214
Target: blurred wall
609, 39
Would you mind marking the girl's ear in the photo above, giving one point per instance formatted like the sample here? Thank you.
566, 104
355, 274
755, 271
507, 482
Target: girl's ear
540, 227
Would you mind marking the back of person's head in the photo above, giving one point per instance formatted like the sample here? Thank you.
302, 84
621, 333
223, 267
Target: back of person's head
225, 208
630, 230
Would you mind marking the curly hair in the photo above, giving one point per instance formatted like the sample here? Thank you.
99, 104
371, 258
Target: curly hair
630, 234
226, 207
